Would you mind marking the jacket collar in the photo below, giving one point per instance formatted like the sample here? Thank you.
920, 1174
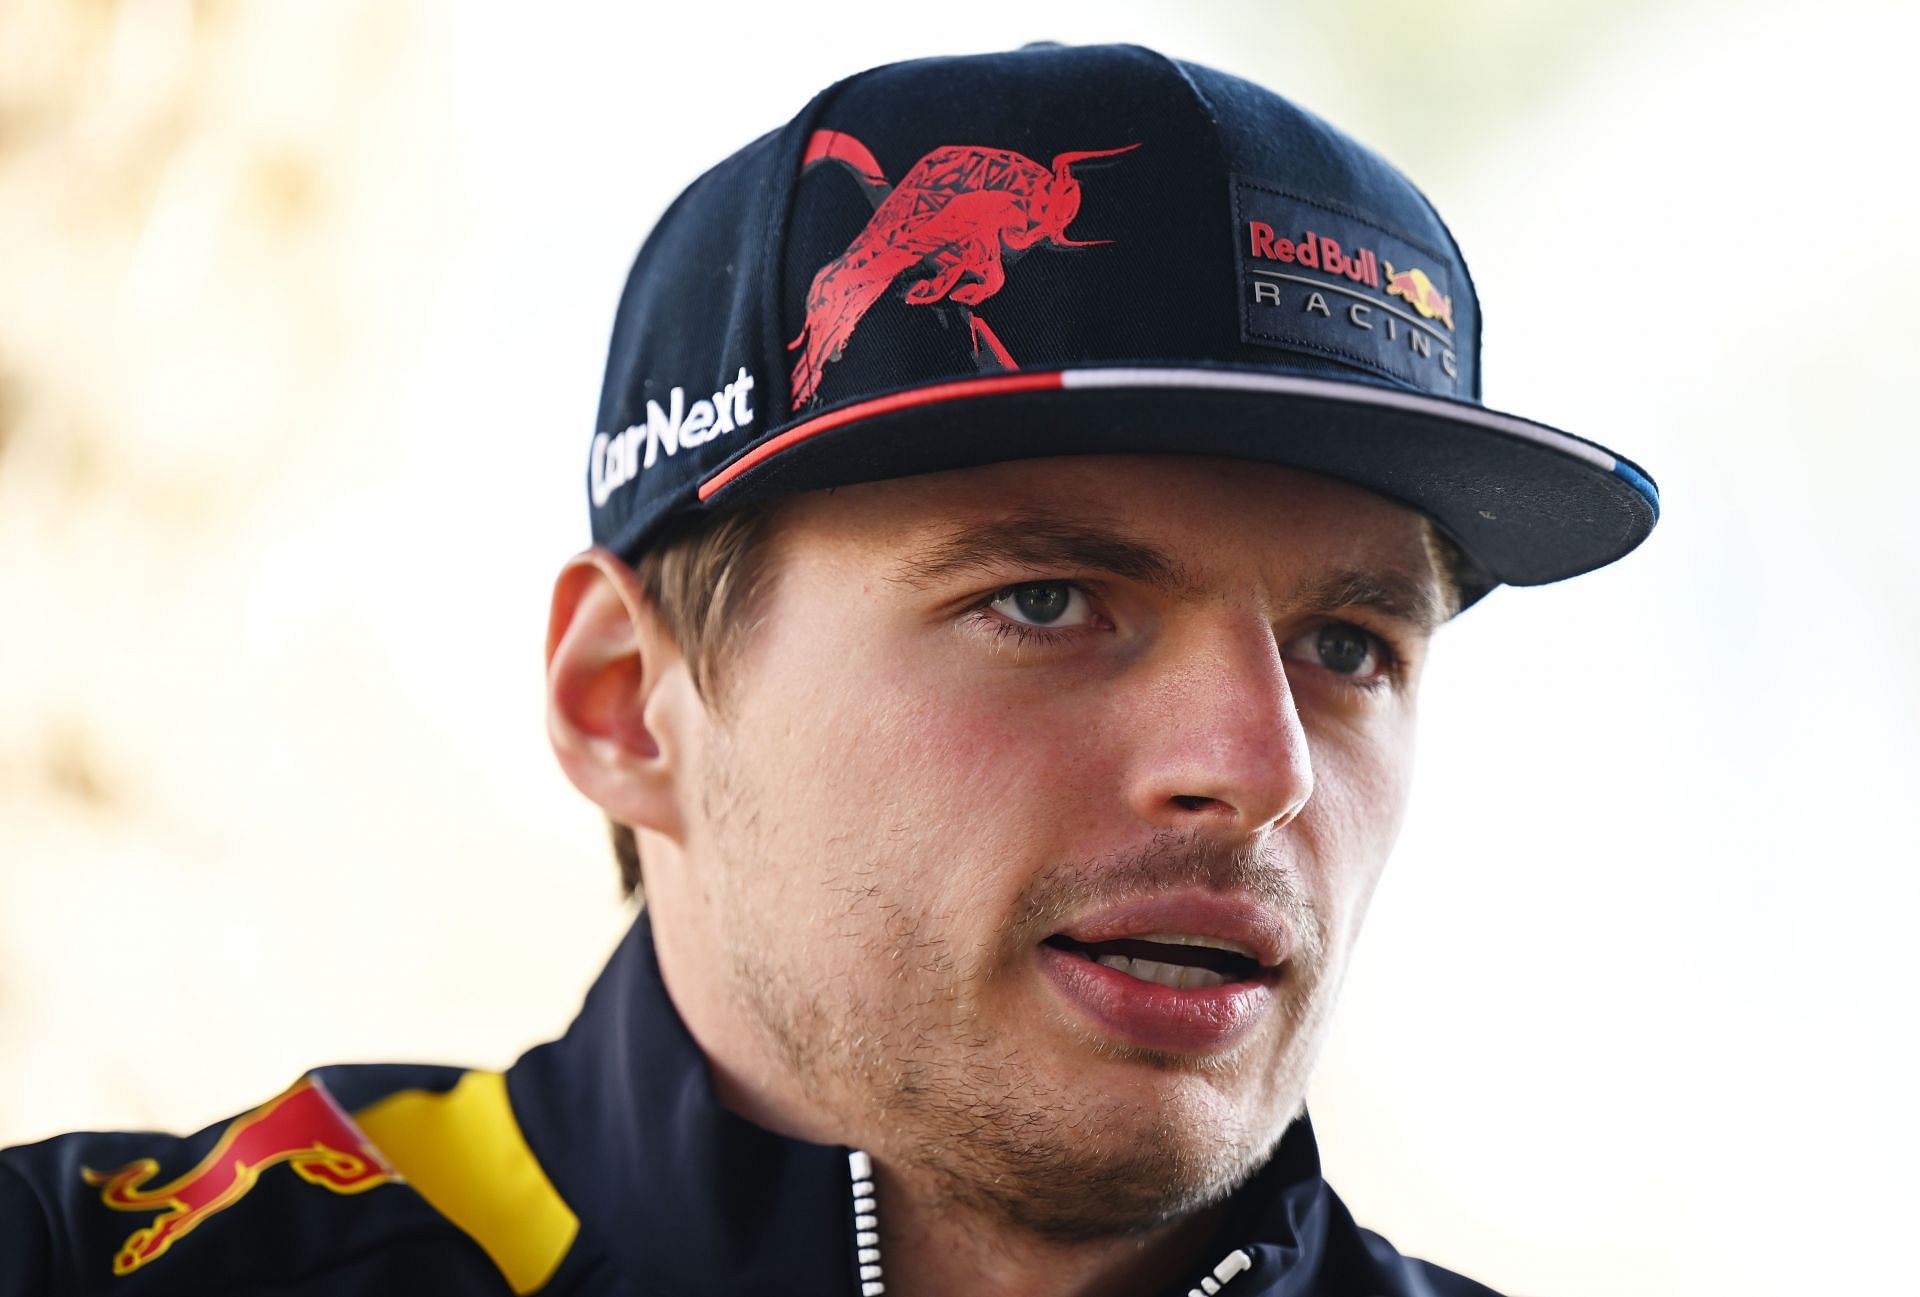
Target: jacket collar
682, 1195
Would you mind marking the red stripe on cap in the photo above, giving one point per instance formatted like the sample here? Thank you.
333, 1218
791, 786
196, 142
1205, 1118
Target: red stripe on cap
939, 392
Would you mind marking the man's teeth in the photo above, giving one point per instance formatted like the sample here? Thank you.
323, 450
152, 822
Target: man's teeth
1181, 977
1211, 943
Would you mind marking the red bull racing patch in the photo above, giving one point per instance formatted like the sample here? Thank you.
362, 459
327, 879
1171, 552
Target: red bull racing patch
1321, 280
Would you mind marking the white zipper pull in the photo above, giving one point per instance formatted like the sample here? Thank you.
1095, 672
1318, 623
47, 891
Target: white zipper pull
866, 1224
1230, 1265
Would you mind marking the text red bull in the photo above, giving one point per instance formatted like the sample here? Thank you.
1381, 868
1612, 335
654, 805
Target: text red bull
1314, 251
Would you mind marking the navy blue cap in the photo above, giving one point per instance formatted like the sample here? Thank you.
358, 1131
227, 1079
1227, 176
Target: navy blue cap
1066, 251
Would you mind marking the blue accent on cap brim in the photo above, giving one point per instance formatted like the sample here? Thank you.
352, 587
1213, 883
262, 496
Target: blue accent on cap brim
1640, 482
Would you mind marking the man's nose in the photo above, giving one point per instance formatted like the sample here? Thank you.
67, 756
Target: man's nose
1221, 748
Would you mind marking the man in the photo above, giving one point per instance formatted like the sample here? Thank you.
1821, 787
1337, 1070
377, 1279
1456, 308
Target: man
1025, 489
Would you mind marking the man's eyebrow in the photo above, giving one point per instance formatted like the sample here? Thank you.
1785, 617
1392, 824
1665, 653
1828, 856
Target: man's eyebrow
1045, 541
1040, 541
1416, 600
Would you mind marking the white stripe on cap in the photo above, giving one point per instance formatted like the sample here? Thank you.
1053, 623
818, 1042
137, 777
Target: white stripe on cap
1227, 380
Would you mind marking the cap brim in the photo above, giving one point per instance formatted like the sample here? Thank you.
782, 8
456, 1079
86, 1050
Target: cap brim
1526, 503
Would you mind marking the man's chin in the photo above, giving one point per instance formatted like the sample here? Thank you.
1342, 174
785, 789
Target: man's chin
1098, 1139
1050, 1175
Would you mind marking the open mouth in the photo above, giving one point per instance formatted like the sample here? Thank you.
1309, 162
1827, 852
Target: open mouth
1180, 961
1183, 973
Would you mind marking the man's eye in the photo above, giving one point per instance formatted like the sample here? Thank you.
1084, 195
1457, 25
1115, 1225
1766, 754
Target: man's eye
1043, 603
1343, 649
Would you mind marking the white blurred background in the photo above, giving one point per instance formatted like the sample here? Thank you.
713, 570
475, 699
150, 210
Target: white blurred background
303, 308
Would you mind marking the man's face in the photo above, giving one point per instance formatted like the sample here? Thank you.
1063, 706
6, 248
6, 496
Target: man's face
1041, 810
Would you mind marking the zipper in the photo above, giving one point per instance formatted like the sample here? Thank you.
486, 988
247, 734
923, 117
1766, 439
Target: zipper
1233, 1263
866, 1238
866, 1225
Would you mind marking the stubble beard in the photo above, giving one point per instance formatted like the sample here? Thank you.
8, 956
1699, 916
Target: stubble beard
962, 1115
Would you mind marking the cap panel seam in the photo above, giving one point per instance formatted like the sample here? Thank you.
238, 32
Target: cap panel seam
1211, 113
1193, 88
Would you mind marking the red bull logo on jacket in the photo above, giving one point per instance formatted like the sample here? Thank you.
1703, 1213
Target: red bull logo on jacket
949, 229
302, 1128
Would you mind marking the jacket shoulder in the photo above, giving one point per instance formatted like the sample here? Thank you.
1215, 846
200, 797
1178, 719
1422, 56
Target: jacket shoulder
1406, 1274
1360, 1262
26, 1264
363, 1178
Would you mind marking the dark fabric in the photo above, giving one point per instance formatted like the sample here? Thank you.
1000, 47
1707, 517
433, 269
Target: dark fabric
674, 1194
26, 1238
684, 1195
1065, 208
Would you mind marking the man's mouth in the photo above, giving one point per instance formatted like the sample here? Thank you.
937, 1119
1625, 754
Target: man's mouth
1188, 972
1178, 960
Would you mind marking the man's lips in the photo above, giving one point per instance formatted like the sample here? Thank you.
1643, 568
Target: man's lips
1233, 944
1231, 918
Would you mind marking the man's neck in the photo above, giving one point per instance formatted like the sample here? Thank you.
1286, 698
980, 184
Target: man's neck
932, 1249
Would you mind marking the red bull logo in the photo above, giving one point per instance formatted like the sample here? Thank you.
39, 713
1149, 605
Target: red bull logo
1421, 293
1316, 252
961, 213
302, 1128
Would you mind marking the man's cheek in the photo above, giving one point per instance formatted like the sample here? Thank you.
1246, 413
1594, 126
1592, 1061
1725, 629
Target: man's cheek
1361, 777
1348, 830
973, 751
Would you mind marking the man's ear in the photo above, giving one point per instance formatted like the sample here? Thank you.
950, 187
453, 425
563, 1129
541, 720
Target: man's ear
618, 693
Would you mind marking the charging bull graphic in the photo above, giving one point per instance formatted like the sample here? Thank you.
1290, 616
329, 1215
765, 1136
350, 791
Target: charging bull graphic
302, 1128
961, 213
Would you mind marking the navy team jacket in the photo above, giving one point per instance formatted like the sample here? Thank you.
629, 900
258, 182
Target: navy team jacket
599, 1164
